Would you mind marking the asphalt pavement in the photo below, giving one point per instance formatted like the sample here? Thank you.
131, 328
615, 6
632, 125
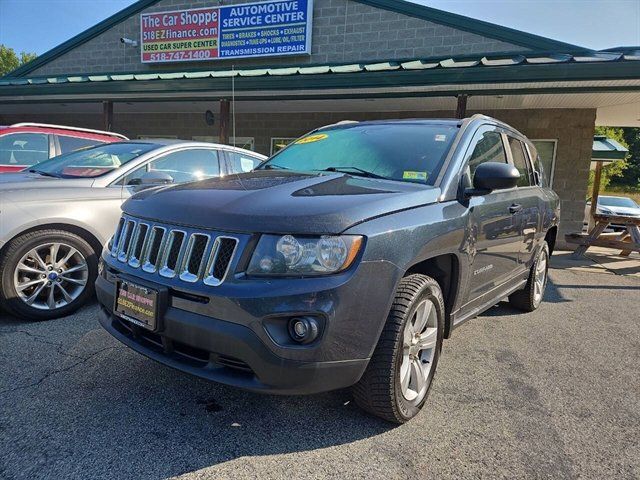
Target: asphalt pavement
551, 394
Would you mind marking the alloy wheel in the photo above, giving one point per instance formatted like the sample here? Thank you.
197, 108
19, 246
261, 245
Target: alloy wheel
51, 276
419, 349
540, 278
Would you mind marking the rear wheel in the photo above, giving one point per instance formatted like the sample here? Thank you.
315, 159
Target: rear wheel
47, 274
398, 378
530, 298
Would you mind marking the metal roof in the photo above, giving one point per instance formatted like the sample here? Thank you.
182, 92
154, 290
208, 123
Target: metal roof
479, 27
435, 64
607, 149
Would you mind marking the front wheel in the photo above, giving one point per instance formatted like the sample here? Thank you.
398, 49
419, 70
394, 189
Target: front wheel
47, 274
398, 378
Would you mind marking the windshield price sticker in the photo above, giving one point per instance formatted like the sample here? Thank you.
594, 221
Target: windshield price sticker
414, 175
312, 138
275, 28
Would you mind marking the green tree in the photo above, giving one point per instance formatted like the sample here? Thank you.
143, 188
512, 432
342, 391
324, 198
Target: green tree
631, 176
613, 169
10, 60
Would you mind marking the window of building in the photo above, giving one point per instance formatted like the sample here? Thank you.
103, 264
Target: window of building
546, 150
278, 143
24, 149
248, 143
183, 166
71, 144
489, 148
520, 162
151, 137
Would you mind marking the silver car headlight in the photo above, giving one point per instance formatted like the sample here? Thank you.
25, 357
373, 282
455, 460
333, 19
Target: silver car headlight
304, 255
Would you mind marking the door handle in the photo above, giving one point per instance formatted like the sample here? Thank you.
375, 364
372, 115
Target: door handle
515, 208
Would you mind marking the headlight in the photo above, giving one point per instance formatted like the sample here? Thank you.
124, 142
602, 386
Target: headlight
301, 255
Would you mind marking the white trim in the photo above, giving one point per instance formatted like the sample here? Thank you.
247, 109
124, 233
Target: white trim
62, 127
555, 154
233, 141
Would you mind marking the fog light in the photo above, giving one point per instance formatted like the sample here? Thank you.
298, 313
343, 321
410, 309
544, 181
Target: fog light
303, 329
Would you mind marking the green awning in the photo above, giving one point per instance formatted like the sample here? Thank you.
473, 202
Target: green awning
449, 75
607, 149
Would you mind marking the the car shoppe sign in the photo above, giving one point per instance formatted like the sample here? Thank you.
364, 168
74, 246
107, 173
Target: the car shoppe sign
274, 28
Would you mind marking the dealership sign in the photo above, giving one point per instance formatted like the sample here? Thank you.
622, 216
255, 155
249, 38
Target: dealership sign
273, 28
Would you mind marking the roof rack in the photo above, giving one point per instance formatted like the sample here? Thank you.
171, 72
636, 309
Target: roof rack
62, 127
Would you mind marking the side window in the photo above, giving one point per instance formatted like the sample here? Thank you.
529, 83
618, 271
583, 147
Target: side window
71, 144
520, 162
24, 149
183, 166
241, 162
543, 152
488, 149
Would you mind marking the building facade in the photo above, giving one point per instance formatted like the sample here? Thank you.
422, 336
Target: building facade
364, 59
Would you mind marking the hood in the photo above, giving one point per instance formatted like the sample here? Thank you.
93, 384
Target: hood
26, 181
621, 210
270, 201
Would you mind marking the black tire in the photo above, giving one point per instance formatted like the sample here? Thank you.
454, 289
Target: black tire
526, 299
13, 253
379, 391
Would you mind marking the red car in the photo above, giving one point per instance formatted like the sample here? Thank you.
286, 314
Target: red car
25, 144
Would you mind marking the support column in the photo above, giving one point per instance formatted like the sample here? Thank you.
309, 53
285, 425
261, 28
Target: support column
461, 107
107, 115
595, 194
223, 133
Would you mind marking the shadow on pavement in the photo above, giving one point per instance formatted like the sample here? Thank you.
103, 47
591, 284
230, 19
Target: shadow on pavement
92, 405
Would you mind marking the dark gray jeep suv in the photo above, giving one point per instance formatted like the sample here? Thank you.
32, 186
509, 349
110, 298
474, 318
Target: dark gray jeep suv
345, 259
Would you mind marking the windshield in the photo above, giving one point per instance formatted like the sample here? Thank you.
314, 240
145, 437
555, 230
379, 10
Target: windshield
410, 152
94, 161
617, 202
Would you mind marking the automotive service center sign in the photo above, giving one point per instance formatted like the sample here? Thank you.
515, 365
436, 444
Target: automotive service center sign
274, 28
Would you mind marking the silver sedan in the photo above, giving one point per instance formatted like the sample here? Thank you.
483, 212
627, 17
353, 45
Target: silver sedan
55, 217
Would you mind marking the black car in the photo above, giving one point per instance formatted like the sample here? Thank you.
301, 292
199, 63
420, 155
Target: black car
343, 260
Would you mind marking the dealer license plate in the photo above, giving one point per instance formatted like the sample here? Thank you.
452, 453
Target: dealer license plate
137, 304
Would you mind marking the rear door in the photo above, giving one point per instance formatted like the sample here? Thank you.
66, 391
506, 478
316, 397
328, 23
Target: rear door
22, 149
495, 232
528, 198
68, 143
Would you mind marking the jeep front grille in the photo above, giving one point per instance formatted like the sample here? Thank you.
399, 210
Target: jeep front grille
171, 252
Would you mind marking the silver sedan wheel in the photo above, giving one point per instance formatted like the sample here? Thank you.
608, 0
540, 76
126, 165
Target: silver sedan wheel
419, 349
540, 278
50, 276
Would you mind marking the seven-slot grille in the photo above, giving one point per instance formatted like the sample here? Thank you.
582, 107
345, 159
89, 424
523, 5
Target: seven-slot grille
170, 251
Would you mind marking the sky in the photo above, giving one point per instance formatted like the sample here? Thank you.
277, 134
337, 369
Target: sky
39, 25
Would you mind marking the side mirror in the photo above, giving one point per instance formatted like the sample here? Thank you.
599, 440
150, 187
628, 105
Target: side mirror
491, 176
155, 177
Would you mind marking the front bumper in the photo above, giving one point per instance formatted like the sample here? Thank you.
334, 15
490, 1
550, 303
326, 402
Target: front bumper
226, 340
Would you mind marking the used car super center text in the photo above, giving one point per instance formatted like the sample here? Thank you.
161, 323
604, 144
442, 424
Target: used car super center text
310, 220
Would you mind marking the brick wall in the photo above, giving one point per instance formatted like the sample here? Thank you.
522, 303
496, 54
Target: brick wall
573, 128
342, 31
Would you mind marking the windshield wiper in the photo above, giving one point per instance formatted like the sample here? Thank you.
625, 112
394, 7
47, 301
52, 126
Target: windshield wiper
44, 174
273, 166
354, 171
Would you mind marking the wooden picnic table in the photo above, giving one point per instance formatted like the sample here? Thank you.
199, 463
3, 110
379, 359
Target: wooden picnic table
628, 240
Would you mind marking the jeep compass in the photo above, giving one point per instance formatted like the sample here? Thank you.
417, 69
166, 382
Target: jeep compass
343, 260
